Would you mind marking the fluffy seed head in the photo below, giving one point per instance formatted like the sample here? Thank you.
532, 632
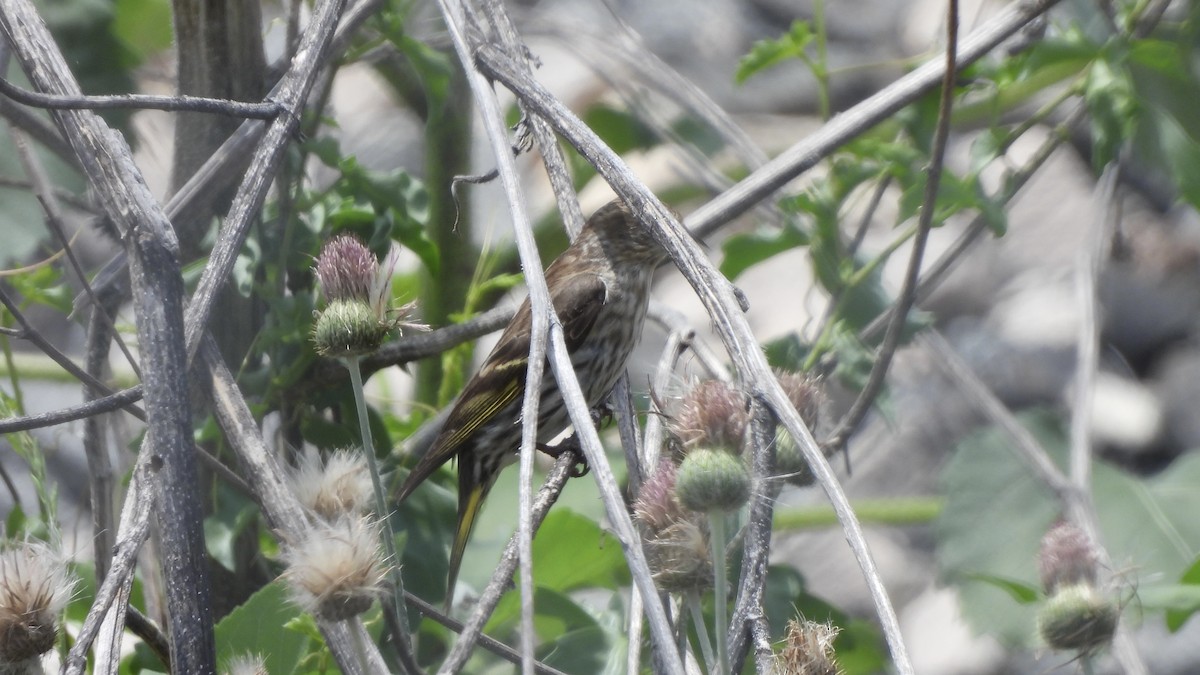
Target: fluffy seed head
713, 414
712, 480
1067, 557
335, 571
247, 664
35, 586
338, 486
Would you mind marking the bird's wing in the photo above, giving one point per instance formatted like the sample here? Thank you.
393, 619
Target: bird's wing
577, 302
501, 379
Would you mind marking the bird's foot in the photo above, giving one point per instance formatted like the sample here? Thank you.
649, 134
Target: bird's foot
570, 445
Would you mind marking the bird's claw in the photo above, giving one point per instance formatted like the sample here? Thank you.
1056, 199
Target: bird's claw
571, 445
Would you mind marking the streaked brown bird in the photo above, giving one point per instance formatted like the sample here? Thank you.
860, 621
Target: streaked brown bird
600, 287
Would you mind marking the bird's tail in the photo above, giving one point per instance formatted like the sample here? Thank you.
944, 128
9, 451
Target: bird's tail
471, 494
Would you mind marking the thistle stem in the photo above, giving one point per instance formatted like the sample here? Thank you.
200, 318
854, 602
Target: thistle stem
716, 526
693, 604
381, 510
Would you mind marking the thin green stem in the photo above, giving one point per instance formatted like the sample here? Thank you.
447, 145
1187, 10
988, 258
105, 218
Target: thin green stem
10, 364
716, 526
381, 510
909, 511
821, 70
692, 600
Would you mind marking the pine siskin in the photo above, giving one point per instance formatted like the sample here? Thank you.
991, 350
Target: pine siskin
600, 288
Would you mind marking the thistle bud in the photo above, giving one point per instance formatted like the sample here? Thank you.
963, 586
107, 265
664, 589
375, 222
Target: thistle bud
713, 414
1079, 618
675, 540
35, 587
356, 286
712, 480
1067, 557
335, 570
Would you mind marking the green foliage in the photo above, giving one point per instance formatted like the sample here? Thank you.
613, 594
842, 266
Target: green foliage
996, 513
766, 53
264, 625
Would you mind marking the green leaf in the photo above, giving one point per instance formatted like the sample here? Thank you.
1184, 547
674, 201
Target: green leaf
1178, 601
258, 626
144, 26
743, 251
570, 552
1021, 592
992, 525
619, 130
586, 650
767, 53
1113, 105
1176, 615
787, 352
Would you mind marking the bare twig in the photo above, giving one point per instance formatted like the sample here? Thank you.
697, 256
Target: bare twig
1081, 509
748, 608
485, 641
216, 106
502, 578
904, 302
847, 125
108, 609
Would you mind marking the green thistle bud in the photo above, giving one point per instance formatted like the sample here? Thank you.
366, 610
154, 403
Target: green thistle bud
357, 319
789, 461
712, 480
1078, 618
348, 328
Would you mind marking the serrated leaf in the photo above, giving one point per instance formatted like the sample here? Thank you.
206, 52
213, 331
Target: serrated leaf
767, 53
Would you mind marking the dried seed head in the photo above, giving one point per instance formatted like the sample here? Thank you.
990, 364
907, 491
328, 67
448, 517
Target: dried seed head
712, 480
809, 650
678, 556
35, 586
338, 486
713, 414
1078, 618
1067, 557
336, 571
